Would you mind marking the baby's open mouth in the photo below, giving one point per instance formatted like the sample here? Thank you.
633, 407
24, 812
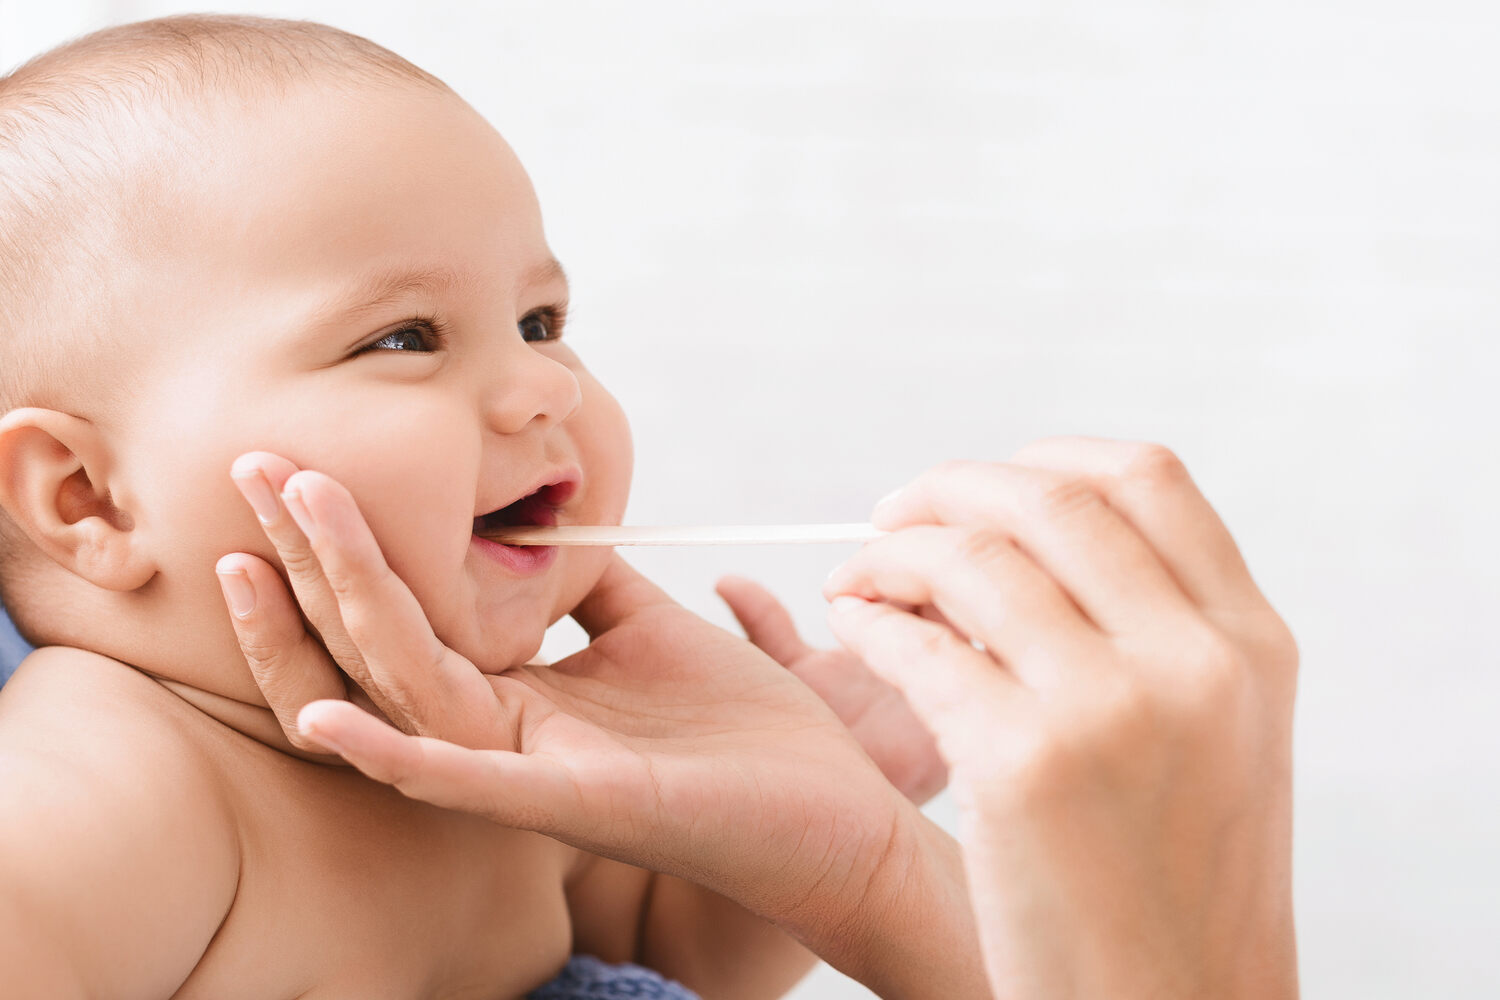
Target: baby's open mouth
538, 507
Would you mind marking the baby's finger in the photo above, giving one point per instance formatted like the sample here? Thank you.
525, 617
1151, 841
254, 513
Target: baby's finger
987, 588
261, 476
1063, 523
291, 667
622, 591
420, 684
765, 620
1152, 489
522, 791
959, 693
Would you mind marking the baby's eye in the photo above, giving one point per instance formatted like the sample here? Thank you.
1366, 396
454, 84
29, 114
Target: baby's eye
541, 325
421, 337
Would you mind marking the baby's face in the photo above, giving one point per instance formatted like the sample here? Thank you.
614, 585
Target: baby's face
360, 283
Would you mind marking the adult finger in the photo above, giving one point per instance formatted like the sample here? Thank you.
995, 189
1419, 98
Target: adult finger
261, 477
1153, 489
986, 587
524, 791
766, 622
1066, 525
420, 684
622, 591
959, 693
291, 667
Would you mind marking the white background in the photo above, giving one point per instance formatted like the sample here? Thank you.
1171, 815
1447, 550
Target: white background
817, 246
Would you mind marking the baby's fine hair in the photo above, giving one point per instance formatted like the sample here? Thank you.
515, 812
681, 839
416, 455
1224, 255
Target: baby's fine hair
67, 174
73, 124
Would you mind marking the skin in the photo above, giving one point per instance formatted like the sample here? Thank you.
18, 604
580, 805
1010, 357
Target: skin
666, 743
226, 840
1119, 743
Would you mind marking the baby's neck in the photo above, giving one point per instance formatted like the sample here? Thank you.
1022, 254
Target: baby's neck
255, 721
182, 639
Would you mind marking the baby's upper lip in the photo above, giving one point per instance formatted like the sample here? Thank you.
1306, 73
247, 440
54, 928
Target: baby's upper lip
556, 486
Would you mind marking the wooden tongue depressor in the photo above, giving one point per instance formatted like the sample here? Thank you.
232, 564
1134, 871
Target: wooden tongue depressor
737, 534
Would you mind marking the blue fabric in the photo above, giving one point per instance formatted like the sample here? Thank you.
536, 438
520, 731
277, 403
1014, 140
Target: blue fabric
13, 648
587, 978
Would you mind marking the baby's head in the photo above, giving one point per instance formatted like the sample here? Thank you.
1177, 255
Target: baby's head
222, 235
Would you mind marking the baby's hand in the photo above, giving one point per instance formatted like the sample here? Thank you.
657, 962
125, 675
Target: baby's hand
874, 710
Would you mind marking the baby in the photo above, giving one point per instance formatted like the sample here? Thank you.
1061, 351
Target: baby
220, 235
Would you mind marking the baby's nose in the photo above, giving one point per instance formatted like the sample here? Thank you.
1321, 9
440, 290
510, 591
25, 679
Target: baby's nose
533, 387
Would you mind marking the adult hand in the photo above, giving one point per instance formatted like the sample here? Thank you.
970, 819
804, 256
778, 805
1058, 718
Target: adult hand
666, 743
874, 711
1114, 697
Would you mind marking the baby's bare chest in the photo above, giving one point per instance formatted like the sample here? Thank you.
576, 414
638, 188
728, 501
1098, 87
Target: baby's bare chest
347, 889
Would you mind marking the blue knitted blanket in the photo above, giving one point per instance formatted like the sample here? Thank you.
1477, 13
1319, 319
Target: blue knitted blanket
587, 978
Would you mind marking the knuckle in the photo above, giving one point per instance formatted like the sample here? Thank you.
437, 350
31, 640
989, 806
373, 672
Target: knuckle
346, 653
261, 651
344, 584
983, 547
933, 642
907, 638
1216, 679
1054, 498
1155, 465
301, 563
1283, 649
402, 709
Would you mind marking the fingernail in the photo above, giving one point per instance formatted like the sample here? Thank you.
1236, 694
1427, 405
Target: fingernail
829, 581
294, 505
307, 725
845, 603
238, 592
258, 491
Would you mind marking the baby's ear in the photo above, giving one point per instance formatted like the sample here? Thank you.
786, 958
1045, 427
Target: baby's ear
53, 486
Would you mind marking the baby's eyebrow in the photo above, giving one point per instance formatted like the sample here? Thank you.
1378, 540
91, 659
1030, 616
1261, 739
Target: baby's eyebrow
378, 290
545, 273
386, 287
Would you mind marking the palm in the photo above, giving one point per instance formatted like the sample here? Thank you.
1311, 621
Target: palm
665, 720
665, 743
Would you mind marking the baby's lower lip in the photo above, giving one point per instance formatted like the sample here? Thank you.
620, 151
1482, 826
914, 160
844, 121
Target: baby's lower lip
521, 560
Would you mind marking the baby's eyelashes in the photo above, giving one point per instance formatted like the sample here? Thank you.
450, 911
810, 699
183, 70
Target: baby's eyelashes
402, 340
420, 335
424, 336
542, 324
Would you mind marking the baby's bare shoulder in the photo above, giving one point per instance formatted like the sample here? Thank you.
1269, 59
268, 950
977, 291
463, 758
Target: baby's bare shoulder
117, 843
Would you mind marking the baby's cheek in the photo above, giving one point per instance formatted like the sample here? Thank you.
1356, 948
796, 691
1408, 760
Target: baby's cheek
602, 435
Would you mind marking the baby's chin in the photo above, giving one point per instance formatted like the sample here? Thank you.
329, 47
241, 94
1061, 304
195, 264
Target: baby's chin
494, 661
514, 637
